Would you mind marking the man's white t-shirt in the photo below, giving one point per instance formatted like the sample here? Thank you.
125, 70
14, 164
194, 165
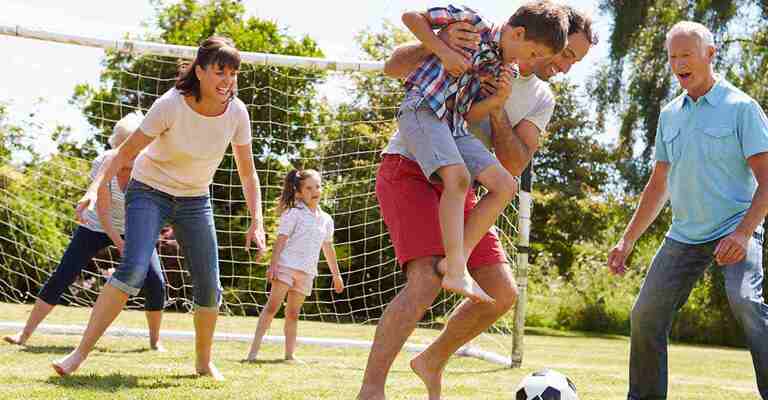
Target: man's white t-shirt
531, 100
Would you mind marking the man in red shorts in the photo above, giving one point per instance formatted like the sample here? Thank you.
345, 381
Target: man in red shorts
409, 204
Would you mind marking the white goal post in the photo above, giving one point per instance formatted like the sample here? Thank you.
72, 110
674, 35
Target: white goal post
348, 164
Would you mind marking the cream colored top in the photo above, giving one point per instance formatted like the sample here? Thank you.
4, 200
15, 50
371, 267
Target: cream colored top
188, 146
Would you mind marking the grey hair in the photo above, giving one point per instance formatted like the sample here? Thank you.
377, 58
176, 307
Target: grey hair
124, 128
703, 33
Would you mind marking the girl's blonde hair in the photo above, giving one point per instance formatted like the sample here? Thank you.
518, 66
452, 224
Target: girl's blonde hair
291, 185
124, 128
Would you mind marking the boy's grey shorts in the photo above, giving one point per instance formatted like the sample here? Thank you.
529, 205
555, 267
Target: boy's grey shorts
430, 141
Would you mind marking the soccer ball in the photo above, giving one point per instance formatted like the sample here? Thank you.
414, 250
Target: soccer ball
546, 385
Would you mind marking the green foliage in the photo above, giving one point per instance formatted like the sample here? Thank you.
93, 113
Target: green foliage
636, 82
32, 235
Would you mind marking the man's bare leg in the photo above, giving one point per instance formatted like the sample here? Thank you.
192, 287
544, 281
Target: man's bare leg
469, 320
398, 322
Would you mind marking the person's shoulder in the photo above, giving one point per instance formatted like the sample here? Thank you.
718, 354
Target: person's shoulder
734, 96
238, 107
327, 217
288, 212
673, 105
543, 91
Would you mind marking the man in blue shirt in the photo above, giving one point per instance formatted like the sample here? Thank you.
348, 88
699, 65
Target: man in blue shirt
712, 163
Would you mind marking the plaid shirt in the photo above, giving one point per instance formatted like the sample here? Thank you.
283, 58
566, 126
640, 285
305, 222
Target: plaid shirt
450, 98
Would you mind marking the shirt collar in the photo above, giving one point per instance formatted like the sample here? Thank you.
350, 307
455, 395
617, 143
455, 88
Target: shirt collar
714, 96
300, 204
496, 34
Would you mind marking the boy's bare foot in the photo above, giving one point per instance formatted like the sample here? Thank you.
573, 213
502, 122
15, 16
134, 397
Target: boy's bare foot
211, 371
68, 365
18, 339
462, 283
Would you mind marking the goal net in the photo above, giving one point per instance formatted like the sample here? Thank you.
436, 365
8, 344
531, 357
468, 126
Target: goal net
332, 116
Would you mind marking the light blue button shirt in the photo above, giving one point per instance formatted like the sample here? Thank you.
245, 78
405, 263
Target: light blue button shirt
707, 144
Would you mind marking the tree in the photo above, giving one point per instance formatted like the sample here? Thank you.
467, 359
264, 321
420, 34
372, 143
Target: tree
636, 83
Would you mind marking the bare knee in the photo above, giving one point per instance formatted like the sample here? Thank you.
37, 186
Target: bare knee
272, 308
455, 179
503, 184
423, 284
507, 298
292, 314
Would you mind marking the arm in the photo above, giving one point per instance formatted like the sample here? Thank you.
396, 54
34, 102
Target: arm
103, 206
276, 251
421, 27
733, 248
330, 257
405, 59
125, 154
252, 192
514, 147
483, 108
652, 201
459, 36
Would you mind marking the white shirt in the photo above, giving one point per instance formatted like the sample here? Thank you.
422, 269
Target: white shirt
117, 207
531, 100
188, 146
307, 231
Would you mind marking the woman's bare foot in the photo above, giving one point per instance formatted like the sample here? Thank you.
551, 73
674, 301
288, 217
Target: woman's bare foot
462, 283
211, 371
158, 347
69, 364
18, 339
294, 361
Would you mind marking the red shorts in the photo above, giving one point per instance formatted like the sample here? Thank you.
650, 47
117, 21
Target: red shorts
410, 207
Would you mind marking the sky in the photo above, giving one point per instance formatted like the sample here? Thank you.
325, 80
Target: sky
40, 76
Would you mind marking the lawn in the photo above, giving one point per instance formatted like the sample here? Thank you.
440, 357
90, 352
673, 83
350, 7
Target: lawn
123, 368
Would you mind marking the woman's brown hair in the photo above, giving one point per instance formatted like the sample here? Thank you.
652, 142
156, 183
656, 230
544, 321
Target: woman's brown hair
216, 50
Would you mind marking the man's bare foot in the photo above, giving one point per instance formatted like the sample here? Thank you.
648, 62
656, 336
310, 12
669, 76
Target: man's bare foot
211, 371
431, 375
18, 339
69, 364
462, 283
371, 394
158, 347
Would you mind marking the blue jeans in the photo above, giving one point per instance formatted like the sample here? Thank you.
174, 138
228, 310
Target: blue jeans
673, 273
82, 248
147, 210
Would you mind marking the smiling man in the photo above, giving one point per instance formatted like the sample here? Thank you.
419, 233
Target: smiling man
409, 204
712, 163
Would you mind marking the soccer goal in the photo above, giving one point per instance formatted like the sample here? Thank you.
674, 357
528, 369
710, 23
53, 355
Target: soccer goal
333, 116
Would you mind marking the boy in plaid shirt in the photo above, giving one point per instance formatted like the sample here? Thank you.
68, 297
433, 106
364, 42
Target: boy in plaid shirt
444, 93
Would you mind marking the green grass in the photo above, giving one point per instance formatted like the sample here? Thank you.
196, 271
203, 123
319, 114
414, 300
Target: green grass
122, 368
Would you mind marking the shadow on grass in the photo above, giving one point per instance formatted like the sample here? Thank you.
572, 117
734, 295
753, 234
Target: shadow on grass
134, 351
52, 349
117, 381
114, 382
263, 361
573, 334
303, 362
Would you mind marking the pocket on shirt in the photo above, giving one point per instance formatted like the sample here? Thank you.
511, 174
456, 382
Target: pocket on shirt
672, 144
721, 143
